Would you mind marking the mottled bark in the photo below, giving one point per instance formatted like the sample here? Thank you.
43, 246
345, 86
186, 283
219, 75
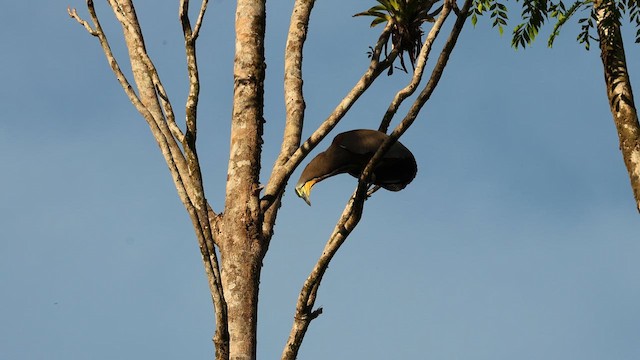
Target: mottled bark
241, 244
619, 90
294, 103
293, 98
242, 231
152, 101
203, 211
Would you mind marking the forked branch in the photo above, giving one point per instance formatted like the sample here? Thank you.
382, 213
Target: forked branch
423, 56
202, 208
353, 210
425, 94
153, 103
74, 15
281, 173
293, 99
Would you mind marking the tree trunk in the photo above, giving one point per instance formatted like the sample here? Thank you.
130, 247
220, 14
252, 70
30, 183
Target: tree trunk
242, 246
243, 229
240, 279
619, 90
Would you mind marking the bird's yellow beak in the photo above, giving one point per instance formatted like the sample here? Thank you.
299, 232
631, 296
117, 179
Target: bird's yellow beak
304, 191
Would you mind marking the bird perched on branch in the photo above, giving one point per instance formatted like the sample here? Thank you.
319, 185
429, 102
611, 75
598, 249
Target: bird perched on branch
350, 152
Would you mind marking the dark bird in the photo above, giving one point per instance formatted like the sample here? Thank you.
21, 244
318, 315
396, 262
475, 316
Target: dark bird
350, 152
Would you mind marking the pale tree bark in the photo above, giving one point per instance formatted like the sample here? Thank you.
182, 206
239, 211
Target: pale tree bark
619, 90
242, 246
241, 232
153, 104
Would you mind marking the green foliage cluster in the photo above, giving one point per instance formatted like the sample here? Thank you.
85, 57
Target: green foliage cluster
535, 13
406, 18
498, 13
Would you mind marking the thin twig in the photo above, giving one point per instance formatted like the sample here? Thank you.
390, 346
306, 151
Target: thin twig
74, 15
115, 67
193, 202
196, 29
158, 123
166, 123
175, 160
192, 69
168, 111
204, 212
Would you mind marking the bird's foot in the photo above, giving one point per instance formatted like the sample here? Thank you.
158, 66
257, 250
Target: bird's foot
372, 190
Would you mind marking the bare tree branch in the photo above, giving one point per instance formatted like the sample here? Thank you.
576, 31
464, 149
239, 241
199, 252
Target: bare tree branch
196, 29
150, 89
242, 231
221, 337
281, 174
169, 114
74, 15
125, 12
293, 99
113, 63
418, 71
425, 94
353, 210
161, 121
137, 102
306, 300
191, 106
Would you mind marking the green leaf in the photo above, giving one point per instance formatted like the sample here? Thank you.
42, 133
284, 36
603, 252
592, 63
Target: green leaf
378, 21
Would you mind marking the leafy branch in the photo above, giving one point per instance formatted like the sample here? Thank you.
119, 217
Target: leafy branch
497, 10
536, 12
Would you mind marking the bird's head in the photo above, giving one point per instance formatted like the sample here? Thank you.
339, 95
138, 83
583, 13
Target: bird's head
303, 190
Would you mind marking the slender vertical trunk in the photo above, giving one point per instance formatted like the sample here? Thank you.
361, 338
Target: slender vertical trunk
242, 246
240, 278
619, 90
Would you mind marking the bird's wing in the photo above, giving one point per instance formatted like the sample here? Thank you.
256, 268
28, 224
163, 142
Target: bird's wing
362, 142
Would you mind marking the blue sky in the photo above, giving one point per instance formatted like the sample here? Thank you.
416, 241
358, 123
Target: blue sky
517, 240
